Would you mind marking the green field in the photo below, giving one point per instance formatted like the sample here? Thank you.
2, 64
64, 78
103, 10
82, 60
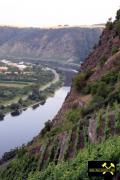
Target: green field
15, 84
21, 90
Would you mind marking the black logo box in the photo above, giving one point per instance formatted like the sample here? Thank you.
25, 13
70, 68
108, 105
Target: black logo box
98, 165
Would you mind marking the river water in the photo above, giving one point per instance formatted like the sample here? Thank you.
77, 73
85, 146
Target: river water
18, 130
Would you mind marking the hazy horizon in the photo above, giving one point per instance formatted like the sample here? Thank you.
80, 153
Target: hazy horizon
46, 13
54, 26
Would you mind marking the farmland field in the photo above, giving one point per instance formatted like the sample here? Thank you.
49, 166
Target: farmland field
14, 84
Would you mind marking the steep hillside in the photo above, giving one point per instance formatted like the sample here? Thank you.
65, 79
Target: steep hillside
71, 44
87, 127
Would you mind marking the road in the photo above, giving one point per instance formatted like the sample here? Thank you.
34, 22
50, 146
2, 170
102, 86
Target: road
56, 79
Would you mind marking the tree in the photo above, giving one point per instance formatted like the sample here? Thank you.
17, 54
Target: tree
35, 94
47, 127
118, 15
1, 116
15, 106
21, 101
117, 27
115, 50
109, 24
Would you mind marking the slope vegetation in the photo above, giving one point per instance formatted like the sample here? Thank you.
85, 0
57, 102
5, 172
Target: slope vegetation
87, 127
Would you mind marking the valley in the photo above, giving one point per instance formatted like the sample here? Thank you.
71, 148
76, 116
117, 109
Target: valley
29, 86
19, 130
68, 111
23, 85
55, 45
86, 127
27, 91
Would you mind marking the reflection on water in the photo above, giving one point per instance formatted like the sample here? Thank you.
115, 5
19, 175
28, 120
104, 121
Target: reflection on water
17, 130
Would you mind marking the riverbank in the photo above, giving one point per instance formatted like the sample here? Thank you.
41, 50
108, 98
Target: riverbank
22, 129
25, 102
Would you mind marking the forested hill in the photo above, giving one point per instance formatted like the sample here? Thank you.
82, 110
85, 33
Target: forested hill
72, 44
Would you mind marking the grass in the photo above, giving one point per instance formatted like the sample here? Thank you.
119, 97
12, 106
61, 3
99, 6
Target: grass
15, 85
14, 100
16, 82
27, 102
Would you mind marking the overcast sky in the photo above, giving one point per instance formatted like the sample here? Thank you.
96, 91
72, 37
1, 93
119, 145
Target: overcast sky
39, 13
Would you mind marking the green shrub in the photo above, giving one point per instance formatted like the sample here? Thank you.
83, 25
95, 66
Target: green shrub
103, 60
93, 88
102, 89
9, 155
98, 120
19, 168
117, 27
118, 15
109, 25
111, 77
97, 99
114, 96
116, 107
21, 152
107, 121
54, 131
87, 89
88, 73
79, 81
47, 128
74, 115
114, 50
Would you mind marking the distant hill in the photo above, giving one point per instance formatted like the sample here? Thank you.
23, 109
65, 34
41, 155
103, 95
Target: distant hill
72, 44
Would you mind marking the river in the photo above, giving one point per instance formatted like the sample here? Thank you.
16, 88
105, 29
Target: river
18, 130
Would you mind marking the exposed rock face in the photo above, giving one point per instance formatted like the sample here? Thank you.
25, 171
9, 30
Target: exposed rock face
108, 41
111, 63
68, 143
62, 44
92, 130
